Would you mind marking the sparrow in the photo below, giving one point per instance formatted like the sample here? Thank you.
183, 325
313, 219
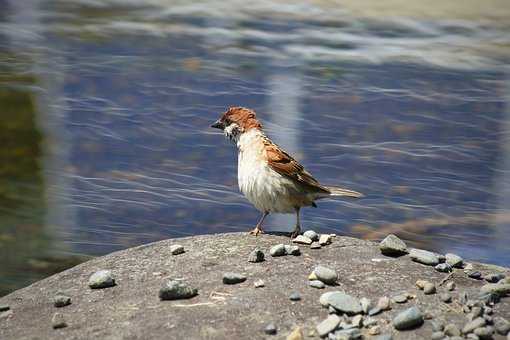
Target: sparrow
269, 177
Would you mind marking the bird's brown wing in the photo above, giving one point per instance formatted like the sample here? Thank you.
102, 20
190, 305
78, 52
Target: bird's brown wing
285, 165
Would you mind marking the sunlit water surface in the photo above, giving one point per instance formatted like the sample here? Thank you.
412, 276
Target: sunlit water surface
107, 105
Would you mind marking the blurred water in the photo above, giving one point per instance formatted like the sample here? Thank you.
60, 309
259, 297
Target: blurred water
117, 99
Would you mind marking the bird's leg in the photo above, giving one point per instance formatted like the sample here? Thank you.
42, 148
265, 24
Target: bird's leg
258, 228
297, 229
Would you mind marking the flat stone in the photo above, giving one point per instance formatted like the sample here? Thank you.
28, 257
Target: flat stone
472, 325
233, 278
315, 245
328, 325
312, 235
443, 268
496, 288
391, 245
58, 321
302, 240
324, 240
61, 300
325, 274
454, 260
316, 284
357, 321
176, 290
256, 256
344, 303
424, 257
401, 298
295, 296
101, 279
176, 249
324, 299
270, 329
374, 311
347, 334
278, 250
451, 330
429, 288
292, 250
409, 318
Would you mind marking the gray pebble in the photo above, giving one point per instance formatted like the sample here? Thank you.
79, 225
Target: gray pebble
61, 300
259, 283
454, 260
325, 274
312, 235
446, 297
475, 275
443, 268
451, 330
365, 304
484, 333
494, 278
357, 321
437, 336
472, 325
176, 249
344, 303
175, 290
256, 255
292, 250
315, 245
101, 279
302, 240
409, 318
450, 286
501, 325
295, 296
4, 308
328, 325
401, 298
316, 284
393, 246
429, 288
270, 329
58, 321
277, 250
233, 278
424, 257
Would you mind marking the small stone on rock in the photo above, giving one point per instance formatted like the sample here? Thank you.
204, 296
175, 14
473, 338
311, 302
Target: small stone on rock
302, 240
401, 298
344, 303
494, 278
277, 250
270, 329
259, 283
256, 255
357, 321
429, 288
175, 290
409, 318
176, 249
292, 250
421, 283
384, 303
375, 330
58, 321
324, 239
475, 275
326, 275
393, 246
443, 268
233, 278
317, 284
295, 296
101, 279
312, 235
61, 300
424, 257
445, 297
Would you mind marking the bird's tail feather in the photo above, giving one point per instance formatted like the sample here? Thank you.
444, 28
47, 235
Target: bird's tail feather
335, 191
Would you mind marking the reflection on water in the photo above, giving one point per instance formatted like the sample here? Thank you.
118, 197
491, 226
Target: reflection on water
106, 108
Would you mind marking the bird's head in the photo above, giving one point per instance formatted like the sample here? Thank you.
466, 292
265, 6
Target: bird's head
236, 121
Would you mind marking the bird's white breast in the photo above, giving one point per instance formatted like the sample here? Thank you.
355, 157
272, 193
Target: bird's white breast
266, 189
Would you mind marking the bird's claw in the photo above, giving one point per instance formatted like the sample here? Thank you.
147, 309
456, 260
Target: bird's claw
256, 231
295, 233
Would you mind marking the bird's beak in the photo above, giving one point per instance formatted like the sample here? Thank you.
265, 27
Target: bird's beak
218, 125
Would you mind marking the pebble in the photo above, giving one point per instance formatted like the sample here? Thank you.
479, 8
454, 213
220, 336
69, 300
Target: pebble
494, 278
393, 246
312, 235
421, 283
401, 298
429, 288
450, 286
443, 268
4, 308
437, 336
374, 330
101, 279
176, 249
61, 300
475, 275
259, 283
502, 325
292, 250
484, 333
328, 325
384, 303
344, 303
312, 276
365, 304
451, 330
446, 297
296, 334
233, 278
175, 290
315, 245
409, 318
316, 284
58, 321
324, 239
256, 255
357, 321
302, 240
325, 274
277, 250
499, 289
472, 325
454, 260
270, 329
295, 296
424, 257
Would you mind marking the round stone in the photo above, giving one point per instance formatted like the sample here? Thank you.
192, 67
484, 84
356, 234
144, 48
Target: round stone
472, 325
61, 300
233, 278
393, 246
409, 318
401, 298
316, 284
256, 255
270, 329
277, 250
176, 290
312, 235
295, 296
101, 279
325, 274
429, 288
451, 330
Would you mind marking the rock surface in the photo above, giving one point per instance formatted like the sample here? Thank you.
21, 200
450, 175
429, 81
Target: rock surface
133, 310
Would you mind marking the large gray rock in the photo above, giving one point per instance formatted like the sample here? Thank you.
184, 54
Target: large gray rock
101, 279
393, 246
176, 290
343, 302
409, 318
424, 256
325, 274
454, 260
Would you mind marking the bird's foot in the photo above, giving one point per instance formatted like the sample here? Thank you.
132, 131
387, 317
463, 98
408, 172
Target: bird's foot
296, 232
256, 231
